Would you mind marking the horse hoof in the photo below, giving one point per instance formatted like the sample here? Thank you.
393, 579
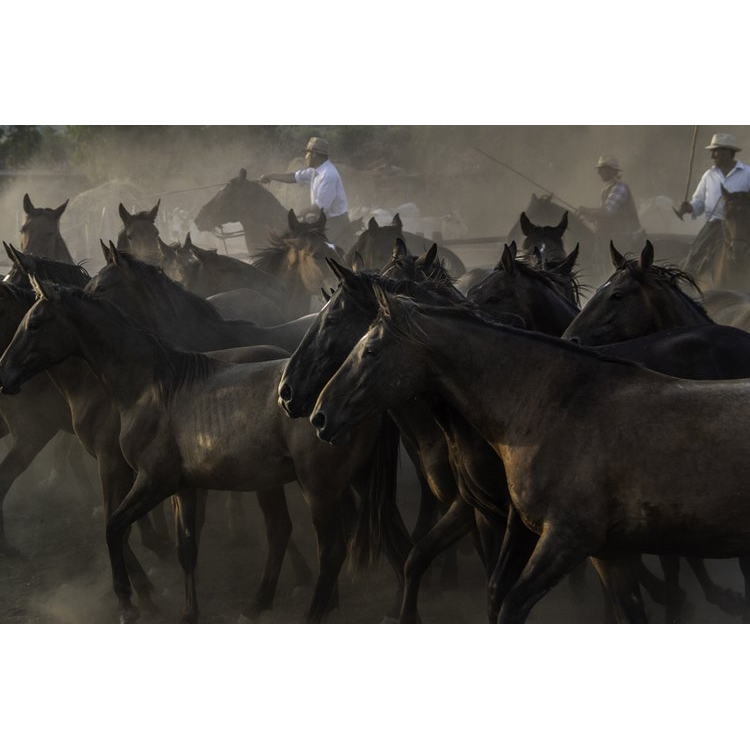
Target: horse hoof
189, 618
148, 605
129, 616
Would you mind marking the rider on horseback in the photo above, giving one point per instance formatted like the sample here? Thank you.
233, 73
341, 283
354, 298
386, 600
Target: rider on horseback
326, 188
728, 173
616, 220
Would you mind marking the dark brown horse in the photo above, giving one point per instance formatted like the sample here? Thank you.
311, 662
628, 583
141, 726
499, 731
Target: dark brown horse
140, 235
672, 495
247, 202
40, 233
181, 429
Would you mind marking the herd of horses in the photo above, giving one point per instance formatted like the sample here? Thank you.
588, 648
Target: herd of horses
546, 431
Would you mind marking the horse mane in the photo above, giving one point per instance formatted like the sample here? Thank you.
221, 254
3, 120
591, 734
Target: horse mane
48, 269
412, 332
22, 294
172, 369
271, 259
669, 276
169, 293
548, 277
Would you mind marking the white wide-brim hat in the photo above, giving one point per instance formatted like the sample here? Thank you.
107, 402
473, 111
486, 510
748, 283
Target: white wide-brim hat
723, 140
608, 161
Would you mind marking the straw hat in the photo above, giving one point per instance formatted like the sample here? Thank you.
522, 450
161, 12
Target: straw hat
723, 140
608, 161
318, 145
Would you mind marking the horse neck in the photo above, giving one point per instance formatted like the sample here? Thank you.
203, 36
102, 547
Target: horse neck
499, 379
551, 312
120, 355
676, 312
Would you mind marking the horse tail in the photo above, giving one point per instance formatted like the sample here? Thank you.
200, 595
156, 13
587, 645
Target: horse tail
380, 528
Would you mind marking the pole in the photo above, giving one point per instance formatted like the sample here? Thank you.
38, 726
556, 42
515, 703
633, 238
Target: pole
690, 170
525, 177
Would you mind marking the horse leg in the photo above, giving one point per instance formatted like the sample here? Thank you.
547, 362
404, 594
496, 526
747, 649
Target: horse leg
143, 496
490, 541
278, 531
727, 600
116, 478
329, 531
75, 459
185, 507
745, 568
554, 556
237, 516
455, 524
620, 581
515, 551
675, 596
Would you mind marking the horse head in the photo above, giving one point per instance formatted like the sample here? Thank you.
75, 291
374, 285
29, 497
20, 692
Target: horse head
639, 298
40, 233
139, 235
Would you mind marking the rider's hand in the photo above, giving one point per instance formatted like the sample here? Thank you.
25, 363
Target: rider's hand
685, 208
264, 179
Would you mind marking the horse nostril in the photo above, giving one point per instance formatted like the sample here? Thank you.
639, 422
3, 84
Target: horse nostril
575, 340
285, 392
318, 420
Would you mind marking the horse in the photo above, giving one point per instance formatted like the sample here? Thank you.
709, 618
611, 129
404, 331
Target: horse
146, 293
545, 301
297, 258
237, 289
639, 298
247, 202
44, 410
180, 430
731, 267
451, 467
40, 233
139, 235
672, 495
375, 244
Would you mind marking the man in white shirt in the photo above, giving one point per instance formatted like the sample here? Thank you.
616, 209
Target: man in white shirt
727, 172
326, 188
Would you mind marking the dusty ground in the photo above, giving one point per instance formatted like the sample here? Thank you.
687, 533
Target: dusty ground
62, 575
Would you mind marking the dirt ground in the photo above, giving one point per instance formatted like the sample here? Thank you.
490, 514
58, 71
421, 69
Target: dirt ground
62, 574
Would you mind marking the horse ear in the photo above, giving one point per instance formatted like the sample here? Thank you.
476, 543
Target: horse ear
124, 215
105, 251
14, 256
396, 222
508, 260
166, 250
342, 273
321, 222
567, 265
28, 206
399, 249
617, 258
155, 210
563, 225
188, 241
427, 259
384, 302
243, 173
116, 258
358, 262
58, 212
513, 249
647, 256
526, 225
292, 220
38, 287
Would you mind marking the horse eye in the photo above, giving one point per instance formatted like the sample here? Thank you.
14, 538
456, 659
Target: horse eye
616, 295
370, 351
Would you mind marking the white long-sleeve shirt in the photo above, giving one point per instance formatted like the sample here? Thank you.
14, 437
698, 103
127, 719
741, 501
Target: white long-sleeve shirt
707, 197
326, 188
